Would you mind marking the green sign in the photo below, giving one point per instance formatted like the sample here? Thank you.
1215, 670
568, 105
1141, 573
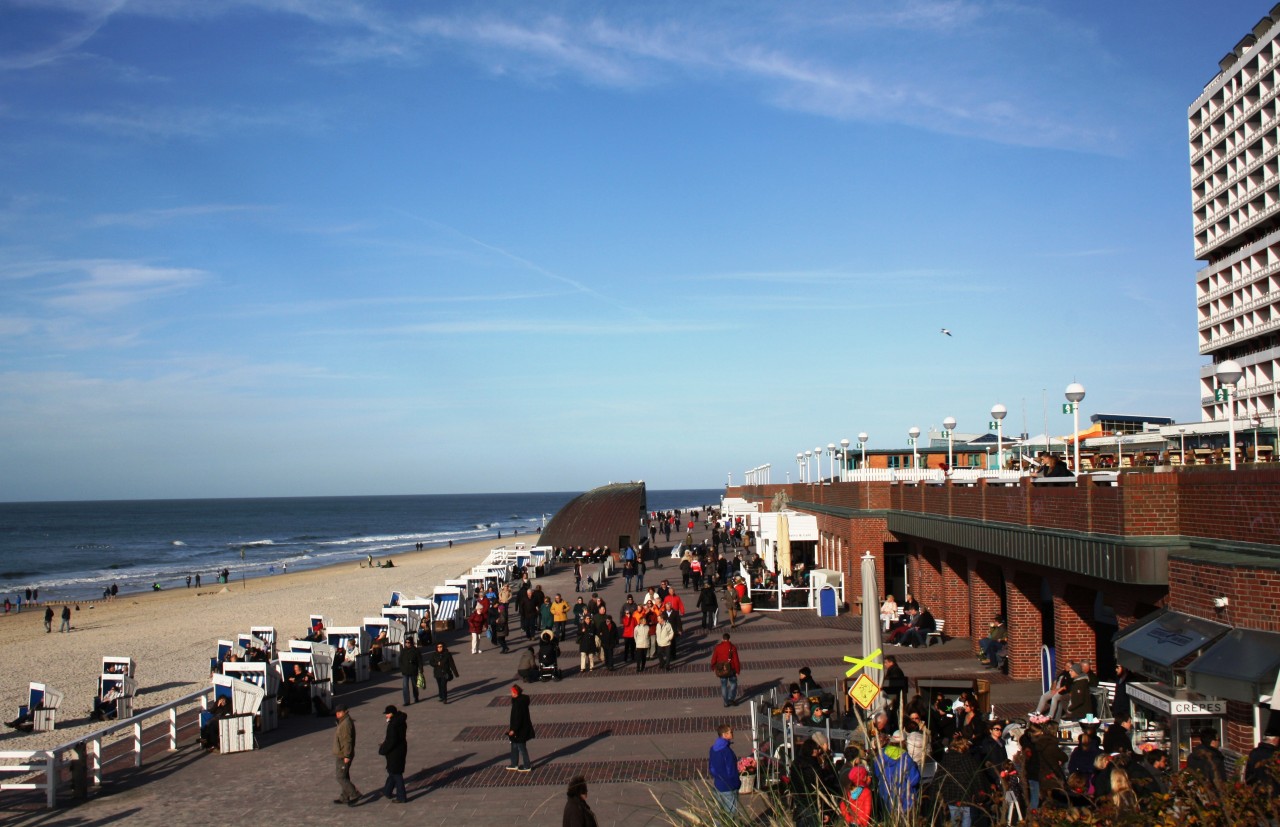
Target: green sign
992, 425
1221, 394
911, 440
1068, 407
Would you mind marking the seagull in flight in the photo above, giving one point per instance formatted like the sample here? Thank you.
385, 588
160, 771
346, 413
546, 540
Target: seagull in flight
946, 332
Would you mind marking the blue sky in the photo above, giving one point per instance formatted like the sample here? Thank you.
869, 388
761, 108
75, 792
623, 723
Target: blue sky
295, 247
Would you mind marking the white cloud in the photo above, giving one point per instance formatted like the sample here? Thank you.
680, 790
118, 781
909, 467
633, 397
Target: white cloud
154, 217
96, 286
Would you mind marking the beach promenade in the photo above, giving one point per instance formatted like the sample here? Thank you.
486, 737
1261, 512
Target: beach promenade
638, 738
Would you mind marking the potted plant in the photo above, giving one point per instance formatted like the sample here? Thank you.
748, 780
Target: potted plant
747, 775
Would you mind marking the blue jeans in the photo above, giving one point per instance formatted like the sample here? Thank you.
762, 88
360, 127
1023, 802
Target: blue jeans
729, 689
394, 788
728, 800
519, 754
409, 683
628, 578
959, 815
1033, 793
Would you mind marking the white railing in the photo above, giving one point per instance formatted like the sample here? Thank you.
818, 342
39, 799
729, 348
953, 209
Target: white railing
51, 761
928, 474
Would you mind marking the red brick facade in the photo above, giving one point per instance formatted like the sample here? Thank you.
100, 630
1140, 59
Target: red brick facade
968, 587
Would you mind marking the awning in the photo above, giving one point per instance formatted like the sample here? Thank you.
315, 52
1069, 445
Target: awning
1154, 647
1242, 666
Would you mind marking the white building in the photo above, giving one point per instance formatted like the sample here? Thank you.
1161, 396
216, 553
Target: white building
1234, 132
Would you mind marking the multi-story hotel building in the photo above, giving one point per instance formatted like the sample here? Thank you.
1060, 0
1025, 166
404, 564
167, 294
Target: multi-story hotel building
1234, 132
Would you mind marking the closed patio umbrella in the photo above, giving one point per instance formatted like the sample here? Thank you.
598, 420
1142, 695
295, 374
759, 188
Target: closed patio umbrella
871, 632
784, 546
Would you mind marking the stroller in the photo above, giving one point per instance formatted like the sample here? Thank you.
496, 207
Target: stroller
548, 658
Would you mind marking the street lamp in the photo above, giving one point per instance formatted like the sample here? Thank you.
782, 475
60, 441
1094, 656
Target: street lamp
831, 452
862, 443
998, 413
800, 467
844, 459
1182, 446
949, 425
808, 469
913, 436
1074, 393
1229, 374
817, 456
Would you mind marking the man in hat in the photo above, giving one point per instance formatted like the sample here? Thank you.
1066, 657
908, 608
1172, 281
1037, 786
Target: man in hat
395, 748
344, 749
1081, 701
1262, 769
520, 731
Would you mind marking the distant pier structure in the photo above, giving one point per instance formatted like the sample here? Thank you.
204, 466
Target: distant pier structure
611, 515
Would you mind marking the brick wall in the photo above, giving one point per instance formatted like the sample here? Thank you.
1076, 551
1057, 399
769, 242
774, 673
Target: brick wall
954, 607
1022, 596
984, 599
1072, 615
927, 588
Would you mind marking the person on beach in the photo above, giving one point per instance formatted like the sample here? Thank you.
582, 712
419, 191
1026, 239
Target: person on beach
577, 812
395, 748
344, 750
48, 618
520, 731
66, 619
444, 669
410, 669
726, 666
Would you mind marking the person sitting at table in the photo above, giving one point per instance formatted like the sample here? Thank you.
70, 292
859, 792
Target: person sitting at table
900, 630
918, 634
888, 612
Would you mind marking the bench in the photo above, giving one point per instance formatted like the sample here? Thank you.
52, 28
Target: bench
936, 636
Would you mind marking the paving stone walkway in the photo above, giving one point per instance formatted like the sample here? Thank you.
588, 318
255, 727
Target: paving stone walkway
640, 739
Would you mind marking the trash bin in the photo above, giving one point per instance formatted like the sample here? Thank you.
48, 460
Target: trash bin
827, 602
984, 696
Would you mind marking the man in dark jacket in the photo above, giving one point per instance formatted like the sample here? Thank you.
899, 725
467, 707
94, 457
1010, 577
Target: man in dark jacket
1118, 737
893, 684
959, 771
1081, 700
1262, 768
520, 731
410, 668
1147, 774
577, 812
1207, 760
444, 669
395, 748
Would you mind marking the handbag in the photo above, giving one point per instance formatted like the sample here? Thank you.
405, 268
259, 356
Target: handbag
724, 669
422, 682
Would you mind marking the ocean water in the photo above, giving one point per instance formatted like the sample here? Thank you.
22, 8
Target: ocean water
73, 550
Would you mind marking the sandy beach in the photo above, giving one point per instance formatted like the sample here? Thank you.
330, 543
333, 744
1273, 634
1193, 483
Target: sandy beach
172, 634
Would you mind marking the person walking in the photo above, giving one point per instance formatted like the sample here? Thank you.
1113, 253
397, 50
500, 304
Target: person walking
66, 620
641, 637
48, 619
587, 648
520, 731
395, 748
726, 665
577, 812
477, 621
344, 750
723, 766
707, 604
444, 669
410, 669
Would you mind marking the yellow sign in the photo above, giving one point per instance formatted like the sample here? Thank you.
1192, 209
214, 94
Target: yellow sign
864, 691
869, 662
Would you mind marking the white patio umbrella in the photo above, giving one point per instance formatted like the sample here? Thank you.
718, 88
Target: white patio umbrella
871, 633
784, 546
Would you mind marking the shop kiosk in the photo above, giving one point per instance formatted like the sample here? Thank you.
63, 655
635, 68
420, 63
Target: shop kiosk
265, 676
117, 684
357, 672
235, 731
